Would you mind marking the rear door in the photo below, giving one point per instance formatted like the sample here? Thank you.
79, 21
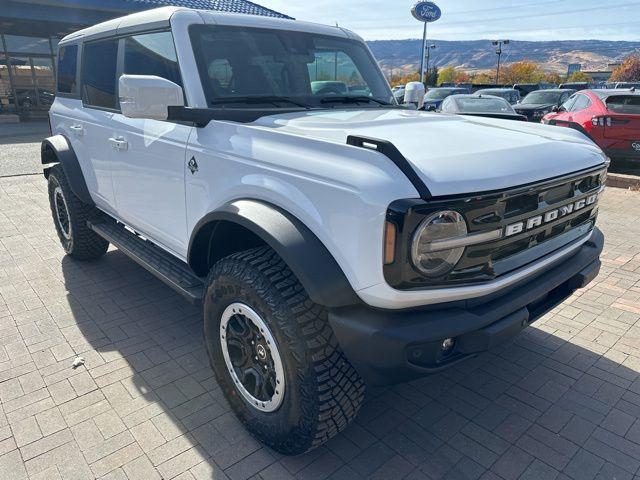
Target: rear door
149, 162
89, 129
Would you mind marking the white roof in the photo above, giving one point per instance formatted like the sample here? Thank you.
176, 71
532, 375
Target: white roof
162, 17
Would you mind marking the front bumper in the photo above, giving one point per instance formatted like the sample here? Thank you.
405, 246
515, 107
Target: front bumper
389, 347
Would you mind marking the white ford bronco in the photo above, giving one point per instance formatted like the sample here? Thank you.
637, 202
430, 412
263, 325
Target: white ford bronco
333, 238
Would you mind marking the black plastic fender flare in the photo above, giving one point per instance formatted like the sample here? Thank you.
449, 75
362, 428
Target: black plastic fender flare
58, 149
308, 258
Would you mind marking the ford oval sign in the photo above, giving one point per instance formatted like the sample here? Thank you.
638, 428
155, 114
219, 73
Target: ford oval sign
426, 12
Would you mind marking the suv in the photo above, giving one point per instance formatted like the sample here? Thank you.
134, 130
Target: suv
332, 239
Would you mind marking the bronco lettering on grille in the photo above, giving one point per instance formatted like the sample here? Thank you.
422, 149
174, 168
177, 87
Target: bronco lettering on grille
549, 216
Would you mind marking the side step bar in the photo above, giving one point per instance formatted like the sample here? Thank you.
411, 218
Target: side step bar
163, 265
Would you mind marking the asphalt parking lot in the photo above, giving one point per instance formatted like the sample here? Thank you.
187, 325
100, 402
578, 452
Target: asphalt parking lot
561, 401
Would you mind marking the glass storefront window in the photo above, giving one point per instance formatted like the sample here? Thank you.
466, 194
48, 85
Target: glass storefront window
27, 73
43, 70
21, 44
5, 86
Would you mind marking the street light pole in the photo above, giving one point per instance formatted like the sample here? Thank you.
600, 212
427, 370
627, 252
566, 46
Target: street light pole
499, 43
429, 48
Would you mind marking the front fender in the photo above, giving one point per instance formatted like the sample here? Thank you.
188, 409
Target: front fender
58, 149
311, 262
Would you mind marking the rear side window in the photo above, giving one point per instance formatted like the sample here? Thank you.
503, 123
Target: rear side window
67, 69
629, 104
99, 65
152, 54
581, 103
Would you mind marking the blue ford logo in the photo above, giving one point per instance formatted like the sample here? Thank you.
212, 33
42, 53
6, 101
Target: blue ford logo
426, 12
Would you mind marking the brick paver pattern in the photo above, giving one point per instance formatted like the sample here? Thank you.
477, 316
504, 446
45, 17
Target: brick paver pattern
560, 401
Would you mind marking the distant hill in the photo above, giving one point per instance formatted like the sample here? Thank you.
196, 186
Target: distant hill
479, 54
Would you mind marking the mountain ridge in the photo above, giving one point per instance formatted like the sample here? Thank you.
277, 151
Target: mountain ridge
473, 55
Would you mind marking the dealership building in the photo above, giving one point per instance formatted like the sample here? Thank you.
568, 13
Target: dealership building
30, 31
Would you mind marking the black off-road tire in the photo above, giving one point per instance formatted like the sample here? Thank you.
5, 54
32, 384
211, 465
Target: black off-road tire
323, 392
78, 240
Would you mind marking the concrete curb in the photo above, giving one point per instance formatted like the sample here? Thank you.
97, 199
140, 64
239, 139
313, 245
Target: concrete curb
628, 182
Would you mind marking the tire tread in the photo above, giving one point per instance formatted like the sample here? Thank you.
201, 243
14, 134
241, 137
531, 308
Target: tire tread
339, 390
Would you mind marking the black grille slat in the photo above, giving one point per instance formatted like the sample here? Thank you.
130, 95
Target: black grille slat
493, 211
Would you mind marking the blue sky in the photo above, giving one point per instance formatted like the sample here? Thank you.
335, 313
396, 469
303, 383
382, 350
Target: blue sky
473, 19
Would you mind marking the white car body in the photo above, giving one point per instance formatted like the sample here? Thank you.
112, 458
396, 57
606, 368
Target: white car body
136, 169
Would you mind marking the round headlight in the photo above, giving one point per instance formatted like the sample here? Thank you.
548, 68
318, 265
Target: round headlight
429, 251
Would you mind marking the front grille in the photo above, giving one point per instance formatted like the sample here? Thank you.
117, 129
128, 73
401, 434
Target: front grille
501, 210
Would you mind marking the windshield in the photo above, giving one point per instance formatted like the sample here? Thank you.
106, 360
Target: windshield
439, 93
483, 105
240, 66
539, 98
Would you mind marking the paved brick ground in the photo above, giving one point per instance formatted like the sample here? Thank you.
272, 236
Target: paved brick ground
561, 401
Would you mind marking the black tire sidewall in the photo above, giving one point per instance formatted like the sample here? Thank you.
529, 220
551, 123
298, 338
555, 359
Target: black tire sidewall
54, 182
291, 428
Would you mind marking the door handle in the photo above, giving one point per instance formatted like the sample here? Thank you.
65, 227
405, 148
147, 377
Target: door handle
119, 143
78, 130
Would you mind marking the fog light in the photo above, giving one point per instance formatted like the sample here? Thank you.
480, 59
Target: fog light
447, 346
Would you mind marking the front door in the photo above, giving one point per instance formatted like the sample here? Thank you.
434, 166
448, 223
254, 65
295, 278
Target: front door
148, 161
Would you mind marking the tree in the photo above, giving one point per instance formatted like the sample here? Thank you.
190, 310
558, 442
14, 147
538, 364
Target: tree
461, 77
446, 75
403, 80
522, 72
452, 75
577, 77
628, 71
484, 78
553, 77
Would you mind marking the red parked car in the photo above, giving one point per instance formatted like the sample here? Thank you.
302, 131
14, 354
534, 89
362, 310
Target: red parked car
611, 118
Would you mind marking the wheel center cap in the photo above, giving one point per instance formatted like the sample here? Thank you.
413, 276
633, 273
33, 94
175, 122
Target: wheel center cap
262, 352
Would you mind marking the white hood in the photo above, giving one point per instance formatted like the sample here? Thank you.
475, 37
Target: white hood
454, 154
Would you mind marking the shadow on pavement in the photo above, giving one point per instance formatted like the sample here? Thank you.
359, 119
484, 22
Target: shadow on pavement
536, 406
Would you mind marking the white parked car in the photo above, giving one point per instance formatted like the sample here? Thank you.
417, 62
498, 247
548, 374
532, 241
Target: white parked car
333, 239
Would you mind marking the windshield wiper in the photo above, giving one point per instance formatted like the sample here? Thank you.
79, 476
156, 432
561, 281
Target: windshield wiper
253, 100
354, 99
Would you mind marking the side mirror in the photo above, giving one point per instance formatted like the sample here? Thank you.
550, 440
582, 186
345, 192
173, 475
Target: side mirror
414, 93
148, 96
